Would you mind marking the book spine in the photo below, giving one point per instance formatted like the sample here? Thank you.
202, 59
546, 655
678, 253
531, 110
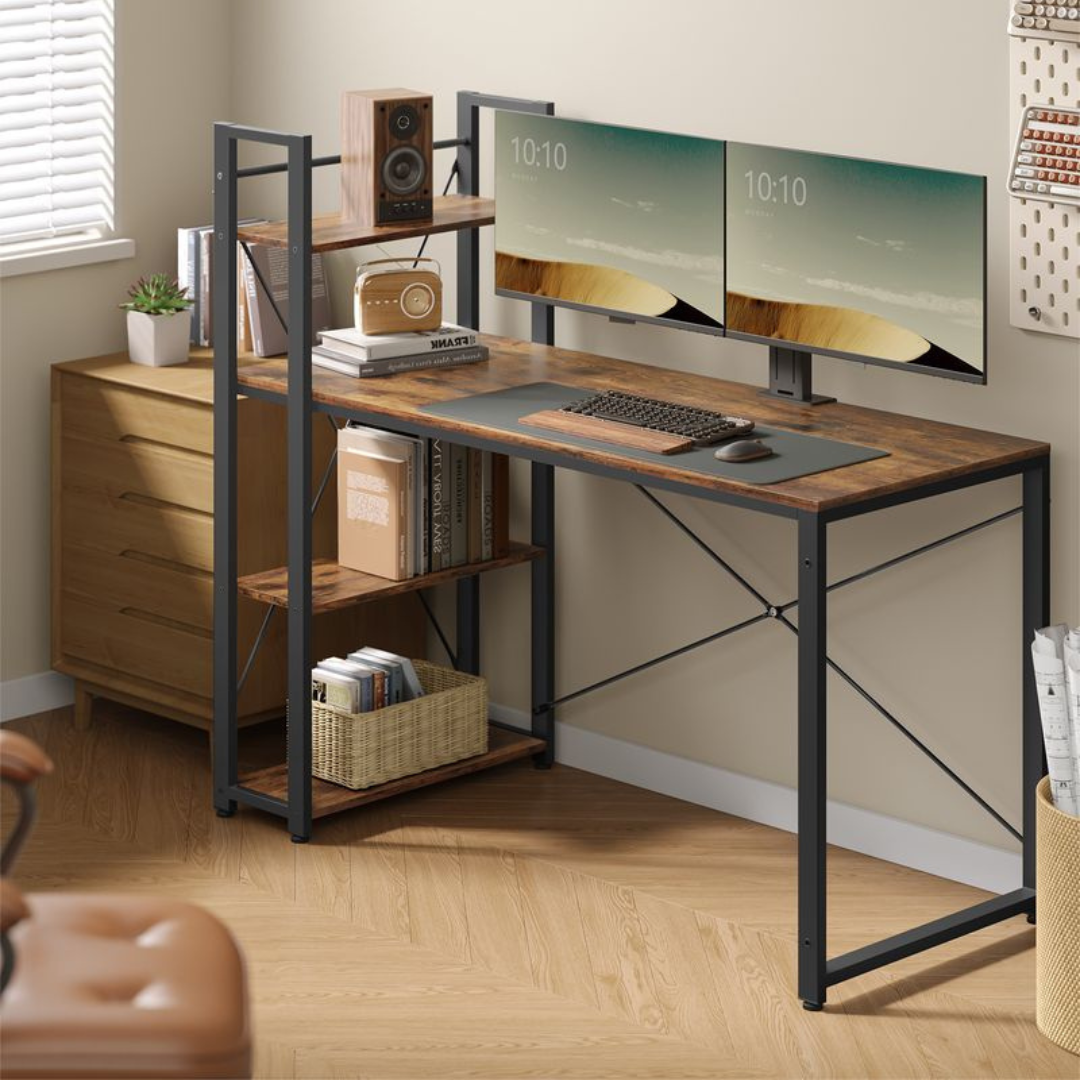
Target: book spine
476, 505
459, 492
409, 520
439, 508
500, 498
206, 247
375, 368
243, 329
487, 508
251, 286
424, 508
407, 346
193, 283
404, 532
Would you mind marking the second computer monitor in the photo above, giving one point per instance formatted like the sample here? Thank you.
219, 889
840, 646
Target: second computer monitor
859, 259
617, 220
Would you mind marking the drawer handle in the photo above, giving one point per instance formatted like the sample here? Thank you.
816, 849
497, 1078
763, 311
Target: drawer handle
157, 444
163, 504
166, 564
162, 620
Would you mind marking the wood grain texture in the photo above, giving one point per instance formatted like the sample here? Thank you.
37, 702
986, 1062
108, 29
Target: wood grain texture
528, 924
334, 586
921, 452
332, 232
589, 427
326, 798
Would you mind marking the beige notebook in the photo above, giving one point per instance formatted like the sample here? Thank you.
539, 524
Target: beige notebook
373, 513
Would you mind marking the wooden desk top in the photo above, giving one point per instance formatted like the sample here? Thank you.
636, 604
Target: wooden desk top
921, 451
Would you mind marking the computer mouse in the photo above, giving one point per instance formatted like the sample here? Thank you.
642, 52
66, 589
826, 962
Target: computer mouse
743, 450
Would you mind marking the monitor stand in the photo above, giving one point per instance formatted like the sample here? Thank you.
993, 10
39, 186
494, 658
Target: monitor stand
790, 377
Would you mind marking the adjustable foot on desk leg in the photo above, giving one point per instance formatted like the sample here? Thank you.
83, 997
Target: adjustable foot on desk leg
225, 813
298, 839
812, 1006
1031, 918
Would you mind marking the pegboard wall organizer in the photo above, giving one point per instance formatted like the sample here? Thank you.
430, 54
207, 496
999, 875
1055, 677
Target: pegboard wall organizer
1044, 273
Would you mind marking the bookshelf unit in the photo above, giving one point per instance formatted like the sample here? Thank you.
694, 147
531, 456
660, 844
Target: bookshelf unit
305, 587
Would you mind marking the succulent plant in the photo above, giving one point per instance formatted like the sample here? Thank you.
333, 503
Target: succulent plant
157, 295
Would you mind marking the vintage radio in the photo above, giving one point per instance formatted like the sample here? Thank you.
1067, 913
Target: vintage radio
390, 299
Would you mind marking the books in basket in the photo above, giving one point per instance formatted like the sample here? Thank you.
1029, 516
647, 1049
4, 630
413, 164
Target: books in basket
325, 357
352, 343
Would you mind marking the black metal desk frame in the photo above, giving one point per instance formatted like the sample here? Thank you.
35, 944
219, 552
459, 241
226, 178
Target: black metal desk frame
816, 971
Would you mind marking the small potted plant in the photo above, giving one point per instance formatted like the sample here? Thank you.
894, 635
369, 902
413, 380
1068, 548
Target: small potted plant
158, 324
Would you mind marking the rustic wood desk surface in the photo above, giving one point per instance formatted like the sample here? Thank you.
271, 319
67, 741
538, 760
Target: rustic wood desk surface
921, 452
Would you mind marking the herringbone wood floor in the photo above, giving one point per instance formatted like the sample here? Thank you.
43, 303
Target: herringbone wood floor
527, 924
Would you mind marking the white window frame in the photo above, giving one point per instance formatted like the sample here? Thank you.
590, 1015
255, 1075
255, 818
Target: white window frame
84, 246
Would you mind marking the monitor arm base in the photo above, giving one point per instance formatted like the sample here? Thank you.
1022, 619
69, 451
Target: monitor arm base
790, 377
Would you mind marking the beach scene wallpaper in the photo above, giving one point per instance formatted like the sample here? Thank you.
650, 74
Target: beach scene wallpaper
883, 261
613, 218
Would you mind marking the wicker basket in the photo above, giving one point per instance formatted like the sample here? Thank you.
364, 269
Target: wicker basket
1057, 931
359, 750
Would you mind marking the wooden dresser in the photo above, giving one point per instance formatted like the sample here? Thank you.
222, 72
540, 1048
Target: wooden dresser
132, 542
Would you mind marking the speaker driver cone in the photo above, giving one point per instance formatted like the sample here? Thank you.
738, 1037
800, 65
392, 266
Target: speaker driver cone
403, 170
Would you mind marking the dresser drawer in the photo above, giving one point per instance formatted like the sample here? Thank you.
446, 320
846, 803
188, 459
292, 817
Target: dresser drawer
112, 413
170, 590
143, 526
165, 474
138, 642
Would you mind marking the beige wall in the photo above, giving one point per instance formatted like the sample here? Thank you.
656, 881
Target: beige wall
165, 106
936, 639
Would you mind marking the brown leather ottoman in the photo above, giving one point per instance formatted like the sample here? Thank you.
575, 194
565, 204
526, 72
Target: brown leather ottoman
123, 986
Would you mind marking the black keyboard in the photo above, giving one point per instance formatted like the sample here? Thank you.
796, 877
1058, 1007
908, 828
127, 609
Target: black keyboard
702, 427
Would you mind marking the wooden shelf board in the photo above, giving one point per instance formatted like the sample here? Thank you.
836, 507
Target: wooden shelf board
503, 746
331, 233
334, 587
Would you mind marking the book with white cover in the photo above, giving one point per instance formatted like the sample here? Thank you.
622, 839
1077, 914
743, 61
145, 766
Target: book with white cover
352, 342
335, 690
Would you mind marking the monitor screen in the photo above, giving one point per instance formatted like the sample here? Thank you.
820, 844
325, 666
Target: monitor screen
617, 220
874, 262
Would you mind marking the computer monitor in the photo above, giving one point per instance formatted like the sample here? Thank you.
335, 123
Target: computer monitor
880, 263
616, 220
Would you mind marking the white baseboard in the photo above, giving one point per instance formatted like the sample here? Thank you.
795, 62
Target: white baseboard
33, 694
917, 846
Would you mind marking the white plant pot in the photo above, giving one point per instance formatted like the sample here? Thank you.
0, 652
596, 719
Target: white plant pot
158, 340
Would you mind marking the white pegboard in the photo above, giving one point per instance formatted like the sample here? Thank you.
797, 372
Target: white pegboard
1045, 249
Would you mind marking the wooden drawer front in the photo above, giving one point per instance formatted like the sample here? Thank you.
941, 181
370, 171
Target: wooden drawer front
139, 525
137, 642
133, 579
182, 478
111, 413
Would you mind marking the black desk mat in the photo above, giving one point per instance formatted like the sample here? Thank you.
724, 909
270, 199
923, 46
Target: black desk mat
793, 455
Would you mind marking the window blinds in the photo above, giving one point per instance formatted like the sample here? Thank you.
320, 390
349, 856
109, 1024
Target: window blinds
56, 118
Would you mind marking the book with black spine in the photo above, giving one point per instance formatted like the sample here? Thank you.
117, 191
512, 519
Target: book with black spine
458, 457
476, 508
439, 511
500, 498
331, 360
352, 342
487, 507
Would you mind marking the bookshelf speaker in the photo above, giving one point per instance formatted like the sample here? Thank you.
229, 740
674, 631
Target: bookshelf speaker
386, 147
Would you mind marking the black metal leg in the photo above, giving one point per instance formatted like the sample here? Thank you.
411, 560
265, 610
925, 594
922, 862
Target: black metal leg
298, 424
1036, 608
812, 760
468, 625
543, 611
224, 740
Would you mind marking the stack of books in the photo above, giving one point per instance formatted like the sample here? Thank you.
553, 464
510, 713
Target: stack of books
350, 352
409, 505
367, 680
